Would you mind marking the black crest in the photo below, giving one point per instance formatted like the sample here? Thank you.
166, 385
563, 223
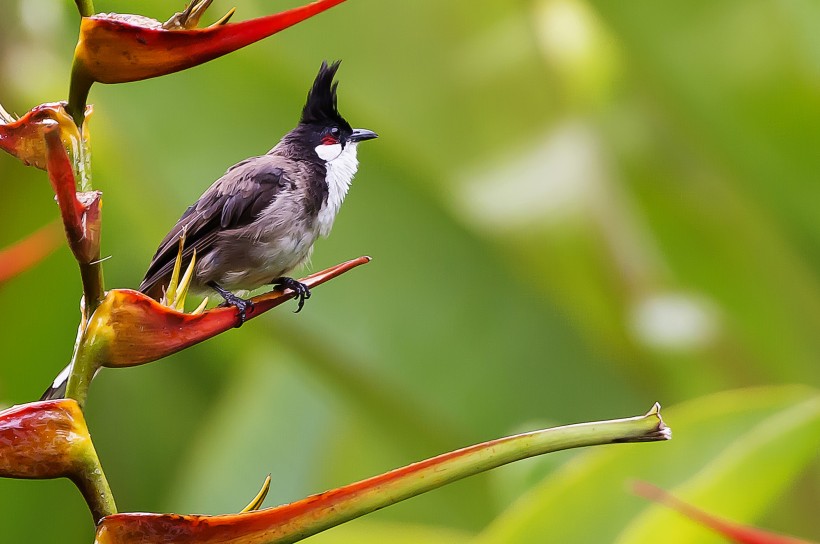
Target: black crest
320, 108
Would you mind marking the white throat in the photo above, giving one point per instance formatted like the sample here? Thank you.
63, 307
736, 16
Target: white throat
341, 163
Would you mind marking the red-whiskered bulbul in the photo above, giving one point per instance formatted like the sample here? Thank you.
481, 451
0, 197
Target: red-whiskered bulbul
260, 220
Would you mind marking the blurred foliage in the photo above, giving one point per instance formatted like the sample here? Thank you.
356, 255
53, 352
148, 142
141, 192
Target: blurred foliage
574, 208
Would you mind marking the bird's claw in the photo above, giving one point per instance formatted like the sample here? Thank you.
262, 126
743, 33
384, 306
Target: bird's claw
241, 304
302, 290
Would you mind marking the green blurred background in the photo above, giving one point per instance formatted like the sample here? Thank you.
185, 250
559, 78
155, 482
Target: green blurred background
575, 208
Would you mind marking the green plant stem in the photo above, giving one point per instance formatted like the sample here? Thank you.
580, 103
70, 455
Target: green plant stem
93, 289
93, 484
85, 362
78, 90
79, 378
86, 7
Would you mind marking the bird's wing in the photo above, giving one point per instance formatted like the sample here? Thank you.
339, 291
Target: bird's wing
233, 201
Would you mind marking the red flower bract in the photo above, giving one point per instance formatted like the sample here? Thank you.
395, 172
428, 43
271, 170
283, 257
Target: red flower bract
42, 440
293, 522
24, 137
116, 48
132, 329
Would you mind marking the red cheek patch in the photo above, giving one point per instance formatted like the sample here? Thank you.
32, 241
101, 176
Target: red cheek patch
329, 140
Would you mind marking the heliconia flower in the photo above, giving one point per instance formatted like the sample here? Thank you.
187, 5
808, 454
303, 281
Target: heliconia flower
130, 328
28, 252
24, 137
301, 519
117, 48
80, 210
46, 439
733, 531
50, 439
42, 439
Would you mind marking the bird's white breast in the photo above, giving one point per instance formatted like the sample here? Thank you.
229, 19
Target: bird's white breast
341, 165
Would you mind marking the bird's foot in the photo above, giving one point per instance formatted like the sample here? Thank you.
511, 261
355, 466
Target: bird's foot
302, 290
241, 304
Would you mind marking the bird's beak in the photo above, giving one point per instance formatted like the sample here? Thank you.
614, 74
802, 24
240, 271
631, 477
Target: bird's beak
362, 134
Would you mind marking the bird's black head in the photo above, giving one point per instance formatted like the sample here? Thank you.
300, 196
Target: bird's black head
321, 124
320, 108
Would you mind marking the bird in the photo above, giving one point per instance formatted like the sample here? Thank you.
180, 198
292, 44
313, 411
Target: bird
260, 220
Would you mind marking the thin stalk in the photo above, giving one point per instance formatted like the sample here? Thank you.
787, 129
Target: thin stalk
85, 363
78, 91
93, 484
93, 287
85, 7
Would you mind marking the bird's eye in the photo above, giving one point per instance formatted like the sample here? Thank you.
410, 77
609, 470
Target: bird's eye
332, 136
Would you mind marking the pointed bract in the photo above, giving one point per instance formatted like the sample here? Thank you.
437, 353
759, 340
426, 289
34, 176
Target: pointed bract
24, 137
116, 48
50, 439
296, 521
135, 329
41, 439
80, 210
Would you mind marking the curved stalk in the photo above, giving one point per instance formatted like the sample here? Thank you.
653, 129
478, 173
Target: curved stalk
92, 483
296, 521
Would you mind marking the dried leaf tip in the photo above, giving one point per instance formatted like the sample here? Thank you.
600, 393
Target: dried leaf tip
663, 431
659, 432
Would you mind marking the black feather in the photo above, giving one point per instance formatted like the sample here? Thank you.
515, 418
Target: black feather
320, 108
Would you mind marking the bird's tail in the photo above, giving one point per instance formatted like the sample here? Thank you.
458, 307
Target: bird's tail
154, 290
57, 389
